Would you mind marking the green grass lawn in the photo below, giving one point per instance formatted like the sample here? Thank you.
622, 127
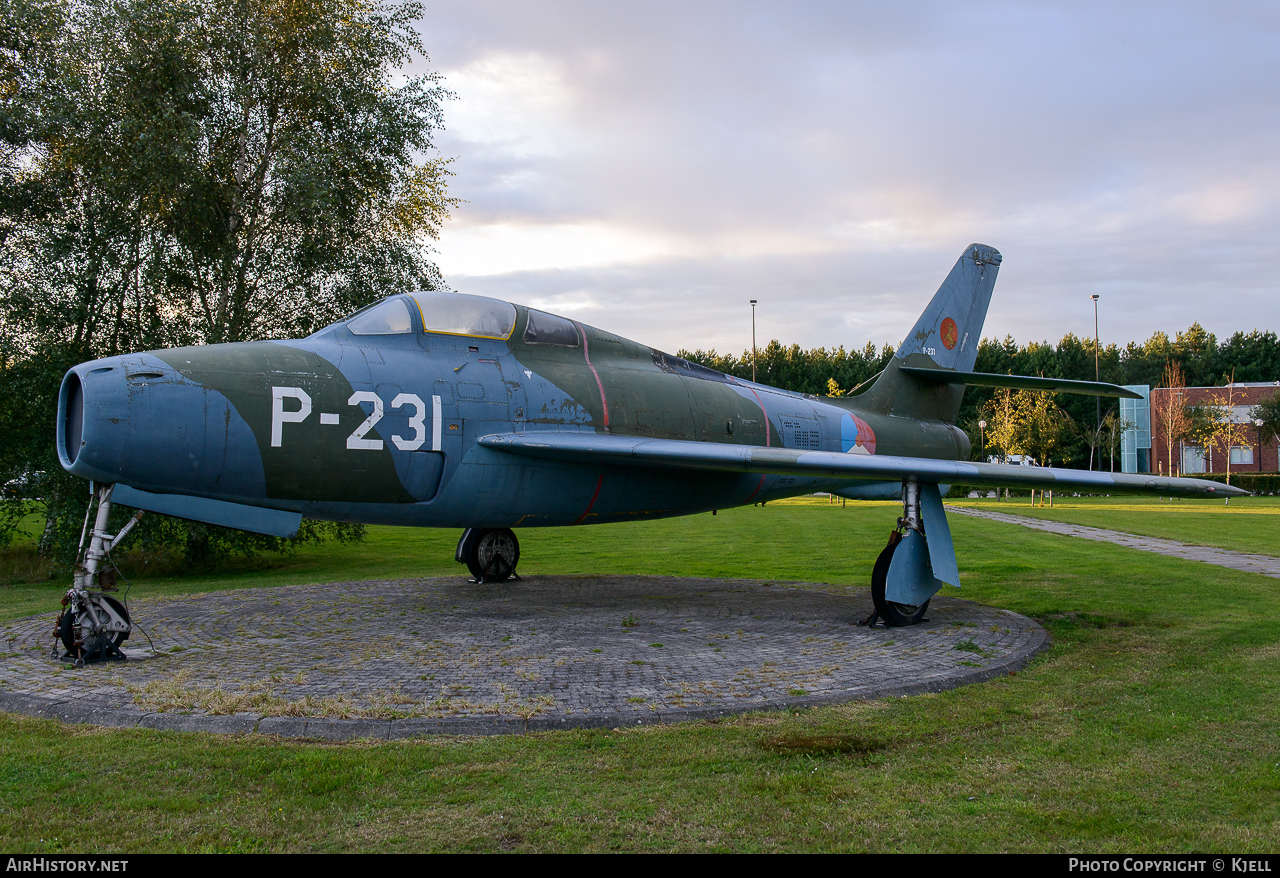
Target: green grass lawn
1247, 524
1151, 725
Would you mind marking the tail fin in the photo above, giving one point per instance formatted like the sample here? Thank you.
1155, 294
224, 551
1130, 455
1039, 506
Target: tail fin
946, 336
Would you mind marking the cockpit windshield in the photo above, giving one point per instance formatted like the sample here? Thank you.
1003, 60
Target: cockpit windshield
460, 314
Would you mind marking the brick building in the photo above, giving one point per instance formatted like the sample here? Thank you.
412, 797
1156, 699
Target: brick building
1247, 454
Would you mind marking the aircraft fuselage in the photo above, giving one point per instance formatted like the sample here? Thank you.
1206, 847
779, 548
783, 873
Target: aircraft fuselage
384, 428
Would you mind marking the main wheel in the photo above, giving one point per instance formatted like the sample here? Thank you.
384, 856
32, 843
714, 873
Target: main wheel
493, 555
93, 643
895, 615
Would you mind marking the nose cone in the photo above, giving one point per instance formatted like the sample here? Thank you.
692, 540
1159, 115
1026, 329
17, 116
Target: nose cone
90, 430
135, 419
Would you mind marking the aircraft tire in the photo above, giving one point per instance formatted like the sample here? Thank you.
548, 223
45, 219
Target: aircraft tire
493, 554
894, 615
67, 630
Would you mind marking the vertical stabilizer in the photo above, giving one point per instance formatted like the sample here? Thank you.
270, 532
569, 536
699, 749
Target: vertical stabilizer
946, 336
950, 328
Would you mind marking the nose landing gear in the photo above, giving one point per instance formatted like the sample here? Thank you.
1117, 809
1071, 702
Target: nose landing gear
491, 554
92, 625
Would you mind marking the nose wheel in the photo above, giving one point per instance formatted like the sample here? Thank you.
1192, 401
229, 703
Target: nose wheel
491, 554
91, 627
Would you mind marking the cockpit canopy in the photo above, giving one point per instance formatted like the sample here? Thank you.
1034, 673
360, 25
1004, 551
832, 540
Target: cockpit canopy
460, 314
448, 313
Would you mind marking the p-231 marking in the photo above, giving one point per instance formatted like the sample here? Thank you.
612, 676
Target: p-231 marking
357, 441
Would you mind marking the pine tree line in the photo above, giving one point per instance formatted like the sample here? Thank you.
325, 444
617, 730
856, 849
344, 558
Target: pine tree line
1204, 362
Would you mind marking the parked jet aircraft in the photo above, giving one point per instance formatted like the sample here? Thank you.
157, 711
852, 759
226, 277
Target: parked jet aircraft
444, 410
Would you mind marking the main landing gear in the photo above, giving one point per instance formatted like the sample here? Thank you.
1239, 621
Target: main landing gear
92, 625
895, 615
491, 554
912, 577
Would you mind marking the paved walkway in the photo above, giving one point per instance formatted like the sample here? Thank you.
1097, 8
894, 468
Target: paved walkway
1264, 564
414, 657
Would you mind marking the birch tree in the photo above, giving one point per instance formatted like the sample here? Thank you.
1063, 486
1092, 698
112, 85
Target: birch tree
178, 172
188, 172
1170, 408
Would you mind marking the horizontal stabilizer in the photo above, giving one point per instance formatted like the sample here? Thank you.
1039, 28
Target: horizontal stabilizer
1021, 382
272, 522
594, 449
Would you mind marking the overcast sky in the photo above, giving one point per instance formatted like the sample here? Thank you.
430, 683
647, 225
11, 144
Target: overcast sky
649, 167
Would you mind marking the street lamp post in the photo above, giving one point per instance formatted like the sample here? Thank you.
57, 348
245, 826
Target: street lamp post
982, 431
753, 340
1096, 373
1257, 425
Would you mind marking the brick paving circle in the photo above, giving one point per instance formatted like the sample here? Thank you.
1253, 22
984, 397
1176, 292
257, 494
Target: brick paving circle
388, 659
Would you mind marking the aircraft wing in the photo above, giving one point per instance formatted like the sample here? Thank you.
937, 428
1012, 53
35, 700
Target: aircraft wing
603, 448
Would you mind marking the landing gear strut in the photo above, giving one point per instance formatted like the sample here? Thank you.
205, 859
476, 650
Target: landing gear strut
491, 554
92, 625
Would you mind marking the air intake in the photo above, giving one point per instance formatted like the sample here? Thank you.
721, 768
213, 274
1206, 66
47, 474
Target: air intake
72, 423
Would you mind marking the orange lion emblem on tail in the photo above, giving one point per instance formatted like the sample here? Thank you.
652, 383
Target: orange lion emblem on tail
950, 333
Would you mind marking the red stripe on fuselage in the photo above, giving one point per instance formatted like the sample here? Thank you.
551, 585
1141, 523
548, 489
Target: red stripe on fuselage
604, 402
766, 419
587, 511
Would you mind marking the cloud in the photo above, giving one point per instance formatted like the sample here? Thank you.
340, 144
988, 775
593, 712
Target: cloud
657, 165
